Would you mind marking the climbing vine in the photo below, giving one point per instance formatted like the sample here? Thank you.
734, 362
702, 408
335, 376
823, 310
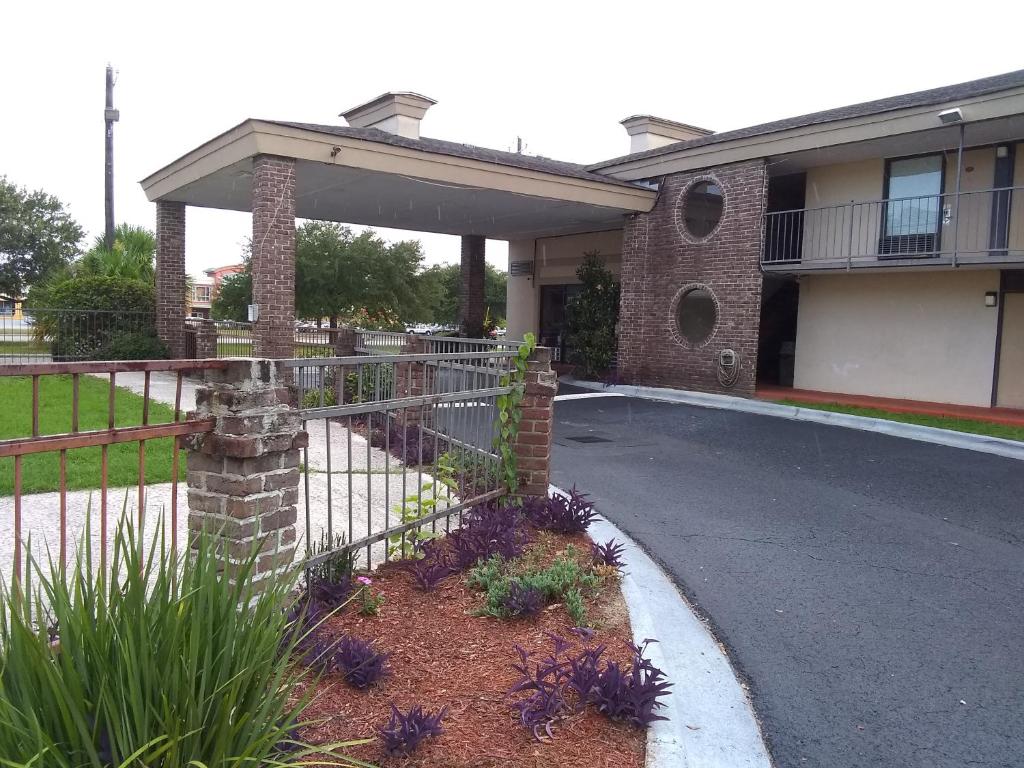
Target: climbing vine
510, 414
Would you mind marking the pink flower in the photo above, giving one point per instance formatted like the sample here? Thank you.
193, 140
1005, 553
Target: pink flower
364, 580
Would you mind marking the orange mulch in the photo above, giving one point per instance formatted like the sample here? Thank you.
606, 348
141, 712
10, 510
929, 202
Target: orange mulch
442, 655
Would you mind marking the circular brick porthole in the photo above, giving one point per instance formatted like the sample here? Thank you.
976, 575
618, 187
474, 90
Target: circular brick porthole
700, 209
695, 313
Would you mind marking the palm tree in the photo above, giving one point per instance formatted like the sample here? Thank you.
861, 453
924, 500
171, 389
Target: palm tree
130, 256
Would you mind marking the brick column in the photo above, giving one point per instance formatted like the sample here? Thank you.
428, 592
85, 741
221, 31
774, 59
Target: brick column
533, 443
344, 341
273, 255
243, 478
206, 339
170, 275
632, 310
471, 286
413, 380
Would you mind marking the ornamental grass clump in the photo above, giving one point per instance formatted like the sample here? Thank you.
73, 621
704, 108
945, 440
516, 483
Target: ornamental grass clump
162, 662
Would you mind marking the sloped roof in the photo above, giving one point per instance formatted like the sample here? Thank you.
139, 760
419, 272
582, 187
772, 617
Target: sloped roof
941, 95
452, 148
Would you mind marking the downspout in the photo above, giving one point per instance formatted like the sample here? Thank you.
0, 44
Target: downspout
956, 202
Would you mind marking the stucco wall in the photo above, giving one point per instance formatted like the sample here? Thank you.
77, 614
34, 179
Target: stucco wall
832, 232
916, 335
1011, 361
556, 261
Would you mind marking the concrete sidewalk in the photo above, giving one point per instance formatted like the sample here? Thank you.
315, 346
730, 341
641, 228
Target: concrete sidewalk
365, 488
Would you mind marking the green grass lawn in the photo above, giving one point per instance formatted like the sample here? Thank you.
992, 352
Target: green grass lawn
26, 347
939, 422
41, 471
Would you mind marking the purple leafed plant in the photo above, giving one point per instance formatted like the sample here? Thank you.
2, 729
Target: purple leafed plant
405, 731
360, 663
609, 553
522, 601
566, 514
488, 530
632, 694
534, 510
564, 683
431, 570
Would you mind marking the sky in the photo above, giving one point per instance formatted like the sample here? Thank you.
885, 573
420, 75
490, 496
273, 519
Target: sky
561, 75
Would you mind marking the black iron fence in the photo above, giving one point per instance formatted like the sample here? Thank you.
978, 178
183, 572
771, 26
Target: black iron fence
35, 335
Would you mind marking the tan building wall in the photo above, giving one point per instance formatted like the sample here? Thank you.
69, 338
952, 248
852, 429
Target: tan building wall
833, 232
917, 335
1011, 359
555, 262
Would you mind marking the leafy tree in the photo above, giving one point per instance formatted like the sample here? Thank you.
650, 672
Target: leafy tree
591, 316
37, 236
440, 289
340, 275
132, 255
233, 296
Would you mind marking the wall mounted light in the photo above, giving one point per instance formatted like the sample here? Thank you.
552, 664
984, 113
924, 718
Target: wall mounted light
991, 298
950, 116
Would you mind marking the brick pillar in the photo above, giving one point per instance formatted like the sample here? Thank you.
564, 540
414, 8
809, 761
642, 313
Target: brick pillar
630, 329
170, 275
533, 443
414, 380
344, 341
243, 478
471, 287
273, 255
206, 339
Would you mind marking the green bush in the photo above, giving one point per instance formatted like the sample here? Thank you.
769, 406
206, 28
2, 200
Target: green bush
84, 317
591, 317
133, 346
159, 665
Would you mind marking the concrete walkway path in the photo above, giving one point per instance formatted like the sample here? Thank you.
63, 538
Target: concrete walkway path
365, 494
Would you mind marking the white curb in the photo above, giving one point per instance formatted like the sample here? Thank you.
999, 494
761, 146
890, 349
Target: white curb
1011, 449
710, 721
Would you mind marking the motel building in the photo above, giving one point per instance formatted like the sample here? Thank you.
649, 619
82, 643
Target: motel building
875, 249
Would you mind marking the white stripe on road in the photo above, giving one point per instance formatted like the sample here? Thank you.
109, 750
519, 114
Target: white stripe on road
587, 395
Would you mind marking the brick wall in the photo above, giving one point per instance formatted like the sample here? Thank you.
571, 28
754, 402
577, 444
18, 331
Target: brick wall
471, 286
170, 275
660, 259
273, 255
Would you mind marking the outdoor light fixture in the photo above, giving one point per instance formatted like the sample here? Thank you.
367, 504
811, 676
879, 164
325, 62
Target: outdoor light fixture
991, 298
950, 116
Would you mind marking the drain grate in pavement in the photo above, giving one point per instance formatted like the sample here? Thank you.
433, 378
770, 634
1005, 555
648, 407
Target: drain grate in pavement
588, 439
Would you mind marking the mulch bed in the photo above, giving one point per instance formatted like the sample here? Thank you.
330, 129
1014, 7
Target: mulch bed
442, 655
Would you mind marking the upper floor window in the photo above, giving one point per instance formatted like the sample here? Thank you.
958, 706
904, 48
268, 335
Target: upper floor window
201, 293
702, 208
913, 207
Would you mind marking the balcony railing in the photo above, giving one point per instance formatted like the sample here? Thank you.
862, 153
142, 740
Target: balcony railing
984, 226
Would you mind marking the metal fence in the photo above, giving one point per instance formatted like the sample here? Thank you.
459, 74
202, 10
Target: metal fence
398, 443
39, 335
63, 420
972, 227
380, 342
234, 339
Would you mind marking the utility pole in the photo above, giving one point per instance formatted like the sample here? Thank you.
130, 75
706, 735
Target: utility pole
110, 116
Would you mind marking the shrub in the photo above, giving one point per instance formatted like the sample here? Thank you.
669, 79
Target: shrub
405, 732
488, 530
359, 662
311, 398
564, 579
609, 553
564, 683
564, 514
591, 317
86, 314
522, 600
159, 663
133, 346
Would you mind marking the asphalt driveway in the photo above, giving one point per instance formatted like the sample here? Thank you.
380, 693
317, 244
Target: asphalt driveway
869, 588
